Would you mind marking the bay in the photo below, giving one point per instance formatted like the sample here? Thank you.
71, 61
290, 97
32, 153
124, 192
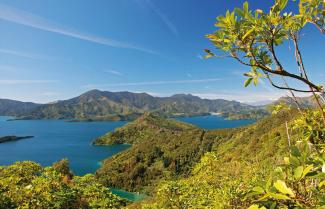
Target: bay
215, 122
57, 139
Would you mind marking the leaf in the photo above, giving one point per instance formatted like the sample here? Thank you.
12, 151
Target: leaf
245, 7
321, 184
298, 172
253, 207
295, 151
239, 11
307, 170
248, 81
282, 4
259, 11
263, 197
282, 187
279, 196
248, 33
258, 190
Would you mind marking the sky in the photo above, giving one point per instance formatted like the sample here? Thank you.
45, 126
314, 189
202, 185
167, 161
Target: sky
53, 50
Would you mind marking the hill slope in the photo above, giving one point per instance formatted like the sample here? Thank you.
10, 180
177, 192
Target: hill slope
170, 151
13, 108
161, 149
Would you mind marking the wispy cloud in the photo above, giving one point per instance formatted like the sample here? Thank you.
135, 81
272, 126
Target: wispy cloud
28, 19
151, 83
171, 26
114, 72
189, 75
23, 54
17, 82
8, 68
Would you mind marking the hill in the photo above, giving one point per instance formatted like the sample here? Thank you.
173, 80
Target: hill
304, 102
165, 150
161, 149
105, 105
14, 108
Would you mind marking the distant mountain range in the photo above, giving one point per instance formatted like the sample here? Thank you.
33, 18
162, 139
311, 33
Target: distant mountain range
98, 105
105, 105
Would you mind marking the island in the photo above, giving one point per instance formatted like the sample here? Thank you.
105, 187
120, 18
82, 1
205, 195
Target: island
13, 138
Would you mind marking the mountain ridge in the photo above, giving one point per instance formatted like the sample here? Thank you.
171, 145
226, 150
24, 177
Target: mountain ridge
105, 105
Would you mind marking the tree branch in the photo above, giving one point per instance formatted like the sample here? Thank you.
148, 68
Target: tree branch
286, 88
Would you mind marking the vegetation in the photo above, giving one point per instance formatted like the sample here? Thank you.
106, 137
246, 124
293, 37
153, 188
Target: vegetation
162, 149
28, 185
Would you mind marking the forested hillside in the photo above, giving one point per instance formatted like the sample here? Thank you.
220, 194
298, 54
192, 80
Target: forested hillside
167, 149
161, 149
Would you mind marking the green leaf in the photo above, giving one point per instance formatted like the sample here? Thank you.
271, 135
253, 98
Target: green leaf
248, 81
307, 170
298, 172
282, 4
258, 190
239, 11
282, 187
279, 196
248, 33
295, 151
245, 7
253, 207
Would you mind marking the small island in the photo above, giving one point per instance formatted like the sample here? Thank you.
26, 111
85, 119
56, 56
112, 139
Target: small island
13, 138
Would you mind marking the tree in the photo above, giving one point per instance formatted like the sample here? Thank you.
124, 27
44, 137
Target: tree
252, 39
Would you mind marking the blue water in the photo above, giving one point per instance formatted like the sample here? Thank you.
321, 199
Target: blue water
57, 139
128, 195
214, 122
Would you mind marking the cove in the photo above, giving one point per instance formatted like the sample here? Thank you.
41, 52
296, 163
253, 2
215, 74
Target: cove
56, 139
214, 122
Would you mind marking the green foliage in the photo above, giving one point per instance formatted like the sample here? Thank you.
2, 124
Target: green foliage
298, 181
251, 37
28, 185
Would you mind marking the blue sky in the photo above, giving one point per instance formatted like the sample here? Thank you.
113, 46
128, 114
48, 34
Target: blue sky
52, 50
